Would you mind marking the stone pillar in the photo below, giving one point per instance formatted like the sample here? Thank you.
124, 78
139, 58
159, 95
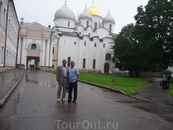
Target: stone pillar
19, 51
42, 58
51, 46
47, 53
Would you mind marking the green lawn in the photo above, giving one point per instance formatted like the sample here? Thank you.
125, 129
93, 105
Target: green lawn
128, 85
171, 87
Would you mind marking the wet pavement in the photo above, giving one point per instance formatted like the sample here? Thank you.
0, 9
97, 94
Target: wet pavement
33, 106
153, 91
8, 79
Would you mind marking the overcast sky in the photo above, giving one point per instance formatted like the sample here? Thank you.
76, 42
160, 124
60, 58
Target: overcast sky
42, 11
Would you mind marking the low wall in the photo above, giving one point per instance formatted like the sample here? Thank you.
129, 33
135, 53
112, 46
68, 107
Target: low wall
20, 66
150, 74
89, 71
46, 68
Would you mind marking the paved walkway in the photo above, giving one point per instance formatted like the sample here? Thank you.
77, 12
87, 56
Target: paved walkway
8, 79
153, 91
33, 106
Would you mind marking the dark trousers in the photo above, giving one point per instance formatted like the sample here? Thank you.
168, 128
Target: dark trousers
165, 83
72, 87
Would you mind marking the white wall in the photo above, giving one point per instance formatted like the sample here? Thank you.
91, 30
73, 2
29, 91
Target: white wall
64, 23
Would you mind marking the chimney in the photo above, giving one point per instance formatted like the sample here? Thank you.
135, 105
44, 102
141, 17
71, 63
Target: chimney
21, 22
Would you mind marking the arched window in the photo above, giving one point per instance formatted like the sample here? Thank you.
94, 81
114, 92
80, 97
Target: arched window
94, 64
33, 47
104, 45
68, 23
95, 25
84, 62
95, 44
87, 23
110, 28
69, 59
0, 10
84, 43
108, 56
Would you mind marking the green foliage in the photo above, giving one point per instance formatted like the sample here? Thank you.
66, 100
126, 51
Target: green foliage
154, 29
147, 45
171, 87
127, 51
129, 85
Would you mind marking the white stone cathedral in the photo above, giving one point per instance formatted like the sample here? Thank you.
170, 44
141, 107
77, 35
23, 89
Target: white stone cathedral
87, 39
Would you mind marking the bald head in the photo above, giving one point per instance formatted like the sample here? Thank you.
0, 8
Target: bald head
72, 63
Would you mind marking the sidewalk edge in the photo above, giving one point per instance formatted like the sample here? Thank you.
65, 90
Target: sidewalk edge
6, 96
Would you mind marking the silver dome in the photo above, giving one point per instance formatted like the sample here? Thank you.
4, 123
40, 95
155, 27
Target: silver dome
85, 15
108, 18
64, 13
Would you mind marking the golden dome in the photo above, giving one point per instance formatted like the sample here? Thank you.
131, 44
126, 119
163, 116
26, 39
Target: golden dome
94, 11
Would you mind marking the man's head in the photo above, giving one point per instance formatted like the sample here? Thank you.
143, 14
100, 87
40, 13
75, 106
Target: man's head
72, 63
64, 62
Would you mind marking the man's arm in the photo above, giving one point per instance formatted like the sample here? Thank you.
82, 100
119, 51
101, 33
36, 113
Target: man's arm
77, 77
58, 73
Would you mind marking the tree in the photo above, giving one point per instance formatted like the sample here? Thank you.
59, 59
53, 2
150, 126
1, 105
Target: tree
154, 30
126, 50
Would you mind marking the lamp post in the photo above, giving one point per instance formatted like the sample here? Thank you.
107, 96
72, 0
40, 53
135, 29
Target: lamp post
52, 31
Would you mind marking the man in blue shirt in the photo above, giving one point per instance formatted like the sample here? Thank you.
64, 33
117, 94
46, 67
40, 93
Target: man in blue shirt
73, 78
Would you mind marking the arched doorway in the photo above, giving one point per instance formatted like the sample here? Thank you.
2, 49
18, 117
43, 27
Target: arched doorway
106, 68
33, 56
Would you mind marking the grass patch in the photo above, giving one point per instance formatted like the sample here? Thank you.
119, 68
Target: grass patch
171, 87
129, 85
53, 72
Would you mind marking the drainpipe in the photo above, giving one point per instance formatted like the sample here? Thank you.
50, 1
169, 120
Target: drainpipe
5, 47
17, 46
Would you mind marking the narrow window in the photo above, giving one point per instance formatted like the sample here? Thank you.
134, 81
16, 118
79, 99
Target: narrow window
95, 25
84, 43
95, 45
74, 43
94, 64
53, 50
4, 19
69, 59
68, 23
84, 62
0, 11
104, 45
87, 24
110, 28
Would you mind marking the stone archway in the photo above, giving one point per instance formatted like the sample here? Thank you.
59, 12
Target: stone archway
106, 68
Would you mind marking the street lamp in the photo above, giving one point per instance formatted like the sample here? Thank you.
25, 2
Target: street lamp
52, 31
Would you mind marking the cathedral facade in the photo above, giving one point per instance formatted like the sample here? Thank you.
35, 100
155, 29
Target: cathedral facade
87, 39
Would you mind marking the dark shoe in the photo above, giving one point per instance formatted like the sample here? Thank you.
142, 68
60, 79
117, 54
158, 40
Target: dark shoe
74, 101
69, 100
